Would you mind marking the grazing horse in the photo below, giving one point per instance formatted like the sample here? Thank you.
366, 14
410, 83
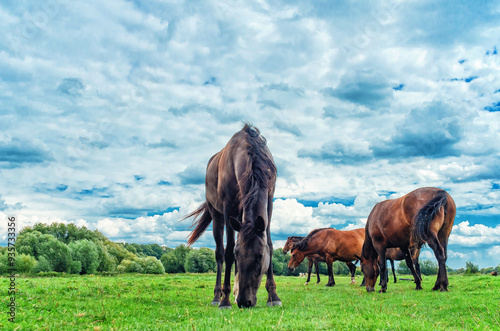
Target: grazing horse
331, 245
396, 254
314, 259
422, 216
239, 186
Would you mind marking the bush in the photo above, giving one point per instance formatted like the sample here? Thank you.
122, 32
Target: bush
42, 266
471, 268
86, 252
151, 265
145, 265
75, 267
129, 266
49, 274
428, 267
201, 260
403, 269
25, 263
4, 263
171, 263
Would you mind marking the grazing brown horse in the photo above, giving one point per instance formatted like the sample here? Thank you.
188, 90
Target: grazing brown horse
422, 216
314, 259
396, 254
330, 244
239, 186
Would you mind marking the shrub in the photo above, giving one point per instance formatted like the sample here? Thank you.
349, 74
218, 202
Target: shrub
43, 265
428, 267
471, 268
25, 263
86, 252
75, 267
151, 265
201, 260
129, 266
403, 269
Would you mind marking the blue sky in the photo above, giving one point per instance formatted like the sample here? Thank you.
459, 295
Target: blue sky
110, 111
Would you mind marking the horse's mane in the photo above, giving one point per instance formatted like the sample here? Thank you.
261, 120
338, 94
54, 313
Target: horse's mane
301, 245
295, 238
261, 170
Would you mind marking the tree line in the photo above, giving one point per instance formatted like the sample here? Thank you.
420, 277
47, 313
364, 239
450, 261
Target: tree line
56, 248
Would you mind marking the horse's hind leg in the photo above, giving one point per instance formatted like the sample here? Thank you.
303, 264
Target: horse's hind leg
393, 271
352, 269
316, 265
409, 263
440, 253
218, 230
331, 280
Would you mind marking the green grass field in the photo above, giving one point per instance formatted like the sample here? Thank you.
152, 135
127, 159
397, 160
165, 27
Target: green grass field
182, 302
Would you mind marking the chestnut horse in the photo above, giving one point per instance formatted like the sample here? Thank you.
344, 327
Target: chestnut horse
313, 259
331, 245
239, 186
423, 216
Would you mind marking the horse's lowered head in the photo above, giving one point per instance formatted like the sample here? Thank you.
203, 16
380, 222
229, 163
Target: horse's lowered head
370, 270
253, 257
297, 257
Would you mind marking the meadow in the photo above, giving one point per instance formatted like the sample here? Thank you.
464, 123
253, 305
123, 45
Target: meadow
182, 302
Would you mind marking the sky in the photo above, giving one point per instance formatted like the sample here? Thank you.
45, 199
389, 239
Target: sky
110, 111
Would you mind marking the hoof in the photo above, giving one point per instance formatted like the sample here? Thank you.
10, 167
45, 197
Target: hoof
306, 283
418, 288
215, 303
225, 307
381, 291
274, 303
330, 285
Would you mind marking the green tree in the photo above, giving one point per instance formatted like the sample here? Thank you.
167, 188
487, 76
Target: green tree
87, 253
25, 263
428, 267
403, 269
43, 265
471, 268
201, 260
151, 265
171, 263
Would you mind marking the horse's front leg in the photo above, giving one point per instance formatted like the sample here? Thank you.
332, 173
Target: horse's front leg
272, 296
384, 275
218, 231
229, 259
309, 271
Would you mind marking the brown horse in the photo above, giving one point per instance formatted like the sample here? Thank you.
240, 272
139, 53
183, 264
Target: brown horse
239, 186
331, 245
422, 216
313, 259
396, 254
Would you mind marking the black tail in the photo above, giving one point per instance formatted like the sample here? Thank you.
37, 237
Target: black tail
201, 223
426, 215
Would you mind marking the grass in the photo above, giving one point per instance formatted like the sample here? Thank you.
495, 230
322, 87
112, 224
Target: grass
182, 302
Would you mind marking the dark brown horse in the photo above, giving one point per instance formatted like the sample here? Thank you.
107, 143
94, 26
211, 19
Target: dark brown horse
313, 259
396, 254
239, 186
423, 216
332, 245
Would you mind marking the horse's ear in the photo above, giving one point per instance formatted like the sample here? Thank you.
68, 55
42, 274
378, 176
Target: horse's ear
235, 224
260, 224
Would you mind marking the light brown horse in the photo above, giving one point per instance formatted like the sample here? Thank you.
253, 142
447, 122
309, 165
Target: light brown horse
314, 259
239, 186
423, 216
330, 244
